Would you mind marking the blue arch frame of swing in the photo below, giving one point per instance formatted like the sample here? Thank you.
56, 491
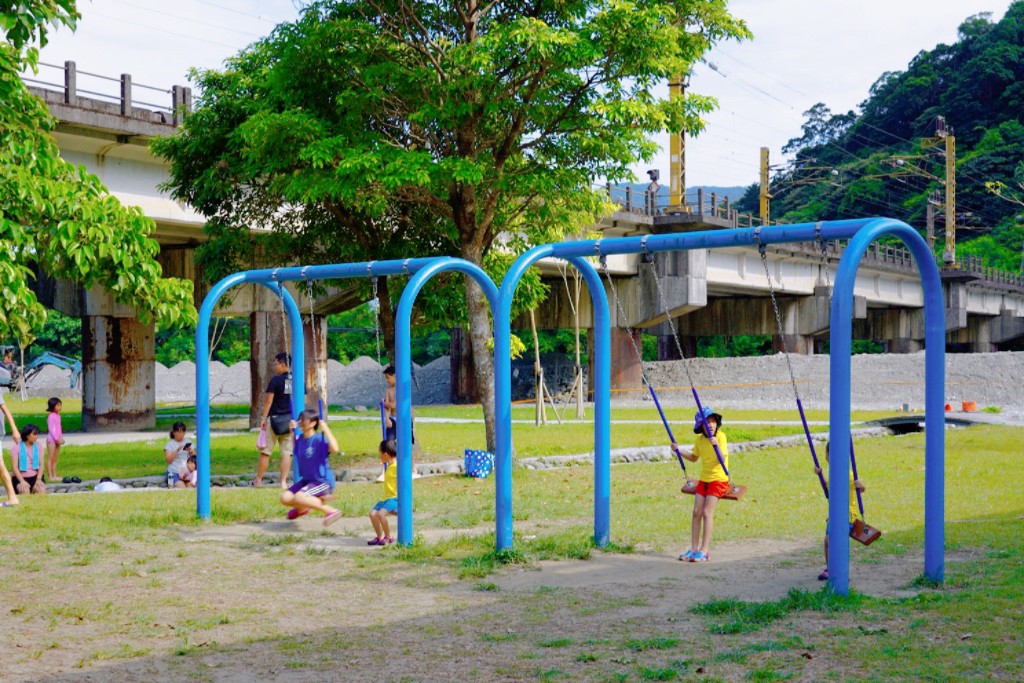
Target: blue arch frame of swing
860, 233
420, 270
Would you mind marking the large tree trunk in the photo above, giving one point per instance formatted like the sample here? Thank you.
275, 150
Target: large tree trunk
479, 334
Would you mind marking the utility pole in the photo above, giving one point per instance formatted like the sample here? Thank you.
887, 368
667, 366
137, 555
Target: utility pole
944, 136
949, 252
934, 200
677, 152
765, 203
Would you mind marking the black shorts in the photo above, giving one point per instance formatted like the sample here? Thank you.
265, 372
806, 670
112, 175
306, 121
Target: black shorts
391, 431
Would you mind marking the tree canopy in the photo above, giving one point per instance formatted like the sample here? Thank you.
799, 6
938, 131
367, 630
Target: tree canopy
881, 166
466, 128
57, 216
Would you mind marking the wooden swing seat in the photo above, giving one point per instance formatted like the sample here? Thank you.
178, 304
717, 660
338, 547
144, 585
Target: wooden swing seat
864, 533
736, 493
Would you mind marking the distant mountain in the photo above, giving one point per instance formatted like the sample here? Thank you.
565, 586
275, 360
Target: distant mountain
640, 189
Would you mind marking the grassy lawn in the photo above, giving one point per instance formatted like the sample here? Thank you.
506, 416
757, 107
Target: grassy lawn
968, 629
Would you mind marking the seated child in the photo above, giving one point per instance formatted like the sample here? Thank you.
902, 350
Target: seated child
855, 485
314, 481
379, 513
188, 473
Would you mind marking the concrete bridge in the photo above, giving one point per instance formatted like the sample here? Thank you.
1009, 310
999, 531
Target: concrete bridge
106, 126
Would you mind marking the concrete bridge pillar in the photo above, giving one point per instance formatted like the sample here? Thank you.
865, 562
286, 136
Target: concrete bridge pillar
792, 337
1006, 329
901, 330
118, 366
955, 293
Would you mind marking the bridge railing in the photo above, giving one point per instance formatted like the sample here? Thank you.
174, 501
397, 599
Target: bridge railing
175, 100
698, 203
976, 266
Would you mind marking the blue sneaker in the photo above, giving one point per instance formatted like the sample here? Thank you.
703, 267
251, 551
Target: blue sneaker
699, 557
686, 557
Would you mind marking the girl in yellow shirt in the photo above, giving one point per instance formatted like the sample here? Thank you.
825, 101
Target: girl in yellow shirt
713, 484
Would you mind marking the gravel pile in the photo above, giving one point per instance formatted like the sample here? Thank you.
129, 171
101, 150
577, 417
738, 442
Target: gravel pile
882, 382
878, 381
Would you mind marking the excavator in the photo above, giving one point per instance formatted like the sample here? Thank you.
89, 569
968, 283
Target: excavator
14, 376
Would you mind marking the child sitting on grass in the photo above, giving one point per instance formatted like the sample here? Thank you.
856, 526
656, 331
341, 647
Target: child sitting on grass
311, 452
379, 513
188, 473
713, 484
855, 485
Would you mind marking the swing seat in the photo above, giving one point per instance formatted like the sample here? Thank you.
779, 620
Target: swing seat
736, 492
864, 533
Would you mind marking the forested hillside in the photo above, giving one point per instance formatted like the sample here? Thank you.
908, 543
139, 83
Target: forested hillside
873, 161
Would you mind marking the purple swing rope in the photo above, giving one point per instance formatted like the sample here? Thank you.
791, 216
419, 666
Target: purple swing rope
668, 429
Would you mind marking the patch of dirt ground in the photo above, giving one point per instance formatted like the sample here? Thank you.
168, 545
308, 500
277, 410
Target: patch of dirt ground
288, 601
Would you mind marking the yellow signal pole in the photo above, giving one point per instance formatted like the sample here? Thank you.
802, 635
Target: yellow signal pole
764, 196
677, 152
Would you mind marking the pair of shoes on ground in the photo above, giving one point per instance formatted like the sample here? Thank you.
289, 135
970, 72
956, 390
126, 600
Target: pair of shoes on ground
694, 556
387, 540
71, 480
824, 575
295, 513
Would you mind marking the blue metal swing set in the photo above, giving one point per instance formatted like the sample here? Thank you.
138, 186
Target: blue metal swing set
860, 233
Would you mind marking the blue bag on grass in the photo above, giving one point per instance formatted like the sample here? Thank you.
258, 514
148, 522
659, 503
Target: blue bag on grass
478, 463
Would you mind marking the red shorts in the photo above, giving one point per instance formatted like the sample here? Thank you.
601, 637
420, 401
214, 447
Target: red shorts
718, 489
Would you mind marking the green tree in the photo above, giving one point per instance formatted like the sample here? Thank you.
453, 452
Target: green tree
61, 334
54, 214
457, 122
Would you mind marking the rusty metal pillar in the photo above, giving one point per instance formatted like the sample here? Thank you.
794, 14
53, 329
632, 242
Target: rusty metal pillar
266, 340
118, 374
316, 363
627, 372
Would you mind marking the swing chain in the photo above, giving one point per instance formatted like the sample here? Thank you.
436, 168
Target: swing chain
625, 321
670, 322
775, 307
284, 319
314, 332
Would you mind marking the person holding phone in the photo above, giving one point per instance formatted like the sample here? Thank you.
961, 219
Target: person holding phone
176, 453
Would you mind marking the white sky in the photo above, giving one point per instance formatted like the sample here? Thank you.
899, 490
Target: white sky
803, 52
